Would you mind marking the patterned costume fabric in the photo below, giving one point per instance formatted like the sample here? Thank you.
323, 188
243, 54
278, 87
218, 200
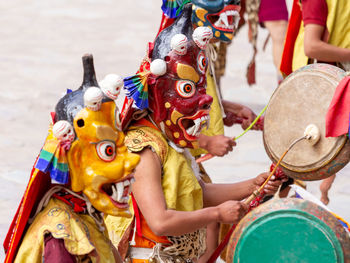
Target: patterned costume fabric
220, 62
79, 232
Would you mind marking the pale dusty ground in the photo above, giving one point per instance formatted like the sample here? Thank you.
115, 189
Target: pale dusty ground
41, 44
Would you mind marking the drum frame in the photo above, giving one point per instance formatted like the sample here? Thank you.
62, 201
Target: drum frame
338, 156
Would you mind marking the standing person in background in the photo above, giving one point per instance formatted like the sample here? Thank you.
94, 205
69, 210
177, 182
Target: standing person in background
326, 30
270, 14
319, 30
273, 14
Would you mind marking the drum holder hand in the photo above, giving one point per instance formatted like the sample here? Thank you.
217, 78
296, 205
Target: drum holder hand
258, 191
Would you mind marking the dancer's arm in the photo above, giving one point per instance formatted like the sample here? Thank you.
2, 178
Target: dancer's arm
215, 194
147, 190
316, 48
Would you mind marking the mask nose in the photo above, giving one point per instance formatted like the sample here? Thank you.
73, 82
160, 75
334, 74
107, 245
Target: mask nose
205, 101
131, 162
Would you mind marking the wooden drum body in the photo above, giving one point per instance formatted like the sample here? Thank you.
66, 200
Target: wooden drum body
289, 230
302, 99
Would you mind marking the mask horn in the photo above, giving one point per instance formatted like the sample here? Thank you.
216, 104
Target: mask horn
89, 72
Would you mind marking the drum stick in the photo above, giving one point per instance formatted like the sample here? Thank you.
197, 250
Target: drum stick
258, 191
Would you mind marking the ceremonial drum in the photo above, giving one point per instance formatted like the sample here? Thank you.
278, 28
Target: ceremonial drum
289, 230
302, 99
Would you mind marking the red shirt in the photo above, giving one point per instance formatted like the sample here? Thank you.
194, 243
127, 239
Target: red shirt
314, 12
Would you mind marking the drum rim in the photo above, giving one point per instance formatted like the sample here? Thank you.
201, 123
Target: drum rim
278, 204
321, 226
331, 168
339, 143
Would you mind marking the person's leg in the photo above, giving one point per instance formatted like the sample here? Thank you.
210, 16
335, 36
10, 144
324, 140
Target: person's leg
277, 31
324, 188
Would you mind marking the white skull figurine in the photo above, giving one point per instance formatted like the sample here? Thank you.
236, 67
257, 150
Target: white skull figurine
63, 131
202, 36
179, 44
93, 98
111, 85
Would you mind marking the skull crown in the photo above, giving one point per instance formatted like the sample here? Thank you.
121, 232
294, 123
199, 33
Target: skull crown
179, 44
93, 98
111, 85
63, 131
201, 36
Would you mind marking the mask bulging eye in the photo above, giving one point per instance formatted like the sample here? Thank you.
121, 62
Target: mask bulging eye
185, 88
202, 62
106, 150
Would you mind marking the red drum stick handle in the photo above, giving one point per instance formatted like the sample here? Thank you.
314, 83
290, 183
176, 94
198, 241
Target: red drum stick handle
204, 158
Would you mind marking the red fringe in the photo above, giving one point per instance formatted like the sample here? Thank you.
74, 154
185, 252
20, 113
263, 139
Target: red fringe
250, 75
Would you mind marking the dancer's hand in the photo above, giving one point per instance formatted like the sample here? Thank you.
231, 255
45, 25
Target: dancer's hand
247, 116
217, 145
238, 113
231, 211
272, 185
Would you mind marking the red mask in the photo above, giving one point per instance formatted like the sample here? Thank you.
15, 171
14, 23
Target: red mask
178, 98
172, 80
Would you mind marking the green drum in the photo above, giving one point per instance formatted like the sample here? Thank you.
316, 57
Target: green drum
302, 99
289, 230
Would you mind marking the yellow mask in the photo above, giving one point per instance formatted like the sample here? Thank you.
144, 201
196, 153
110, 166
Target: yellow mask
99, 162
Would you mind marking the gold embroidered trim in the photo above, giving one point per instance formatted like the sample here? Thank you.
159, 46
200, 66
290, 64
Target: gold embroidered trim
138, 138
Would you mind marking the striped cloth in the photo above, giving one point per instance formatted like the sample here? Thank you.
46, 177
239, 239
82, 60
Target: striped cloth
53, 159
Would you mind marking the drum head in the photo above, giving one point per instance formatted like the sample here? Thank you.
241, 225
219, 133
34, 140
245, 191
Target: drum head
289, 230
302, 99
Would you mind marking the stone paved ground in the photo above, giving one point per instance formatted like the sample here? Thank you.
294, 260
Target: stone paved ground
41, 44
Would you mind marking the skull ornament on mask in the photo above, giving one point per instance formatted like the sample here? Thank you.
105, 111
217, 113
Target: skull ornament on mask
93, 98
202, 36
222, 16
179, 44
63, 130
111, 85
178, 99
